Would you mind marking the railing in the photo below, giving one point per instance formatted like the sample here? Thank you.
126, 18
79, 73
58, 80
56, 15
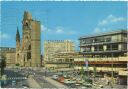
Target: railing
103, 59
57, 62
102, 42
108, 50
102, 68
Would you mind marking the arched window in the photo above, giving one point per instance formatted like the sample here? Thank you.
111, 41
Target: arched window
29, 47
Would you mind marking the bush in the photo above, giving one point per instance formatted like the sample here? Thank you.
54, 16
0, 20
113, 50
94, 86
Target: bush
17, 64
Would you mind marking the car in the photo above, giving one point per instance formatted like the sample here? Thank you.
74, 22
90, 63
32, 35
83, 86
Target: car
101, 86
13, 83
61, 79
87, 85
25, 86
55, 76
67, 81
77, 84
65, 76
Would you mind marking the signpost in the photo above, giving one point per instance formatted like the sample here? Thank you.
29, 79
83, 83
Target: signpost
86, 64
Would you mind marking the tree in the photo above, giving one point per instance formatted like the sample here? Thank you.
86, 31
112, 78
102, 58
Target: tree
17, 64
3, 65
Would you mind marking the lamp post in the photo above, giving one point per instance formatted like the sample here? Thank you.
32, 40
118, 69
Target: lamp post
86, 64
112, 75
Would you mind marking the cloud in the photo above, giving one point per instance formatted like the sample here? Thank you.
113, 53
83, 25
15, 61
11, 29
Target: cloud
3, 36
102, 26
110, 19
59, 30
99, 30
45, 29
65, 31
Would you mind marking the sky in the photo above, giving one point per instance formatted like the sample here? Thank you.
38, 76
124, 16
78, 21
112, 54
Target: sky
62, 20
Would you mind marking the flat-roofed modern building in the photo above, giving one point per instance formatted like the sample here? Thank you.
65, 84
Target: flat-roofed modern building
63, 61
107, 52
52, 47
55, 46
8, 53
105, 44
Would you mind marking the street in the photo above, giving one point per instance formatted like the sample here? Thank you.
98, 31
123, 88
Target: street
21, 78
43, 78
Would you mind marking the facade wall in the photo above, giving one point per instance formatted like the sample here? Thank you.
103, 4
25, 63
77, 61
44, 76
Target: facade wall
10, 59
107, 52
56, 46
8, 54
110, 42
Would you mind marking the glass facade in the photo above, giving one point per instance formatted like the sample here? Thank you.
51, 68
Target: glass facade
105, 43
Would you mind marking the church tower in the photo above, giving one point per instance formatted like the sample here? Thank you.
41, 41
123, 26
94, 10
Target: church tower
35, 43
17, 46
30, 48
26, 39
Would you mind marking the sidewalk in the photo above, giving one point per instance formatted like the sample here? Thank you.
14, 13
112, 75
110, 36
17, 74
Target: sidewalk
32, 83
55, 83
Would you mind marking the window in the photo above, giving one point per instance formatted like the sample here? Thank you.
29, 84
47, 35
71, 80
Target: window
114, 46
108, 39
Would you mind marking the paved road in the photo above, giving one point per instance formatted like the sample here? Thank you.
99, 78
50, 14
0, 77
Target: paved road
39, 77
14, 75
43, 83
20, 75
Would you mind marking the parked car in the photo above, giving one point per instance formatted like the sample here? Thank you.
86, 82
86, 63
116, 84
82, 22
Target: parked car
55, 76
61, 79
87, 85
101, 86
65, 76
67, 81
13, 83
25, 86
77, 84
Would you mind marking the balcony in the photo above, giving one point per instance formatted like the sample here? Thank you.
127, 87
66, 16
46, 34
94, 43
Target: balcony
101, 51
98, 69
102, 42
58, 62
102, 59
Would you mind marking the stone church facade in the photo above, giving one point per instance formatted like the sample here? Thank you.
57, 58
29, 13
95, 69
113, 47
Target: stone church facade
28, 49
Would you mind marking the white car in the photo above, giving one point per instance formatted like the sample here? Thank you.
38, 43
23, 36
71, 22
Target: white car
101, 86
55, 76
67, 81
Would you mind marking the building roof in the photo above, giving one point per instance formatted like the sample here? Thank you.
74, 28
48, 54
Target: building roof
7, 49
104, 34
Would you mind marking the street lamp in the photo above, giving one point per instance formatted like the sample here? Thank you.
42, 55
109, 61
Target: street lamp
112, 71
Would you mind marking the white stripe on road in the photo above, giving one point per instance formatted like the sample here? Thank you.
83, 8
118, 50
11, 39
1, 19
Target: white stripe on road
16, 78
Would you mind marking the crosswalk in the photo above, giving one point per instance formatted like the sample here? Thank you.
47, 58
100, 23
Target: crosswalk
16, 78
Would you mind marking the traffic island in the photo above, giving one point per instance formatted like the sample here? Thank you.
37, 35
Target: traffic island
33, 83
55, 83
